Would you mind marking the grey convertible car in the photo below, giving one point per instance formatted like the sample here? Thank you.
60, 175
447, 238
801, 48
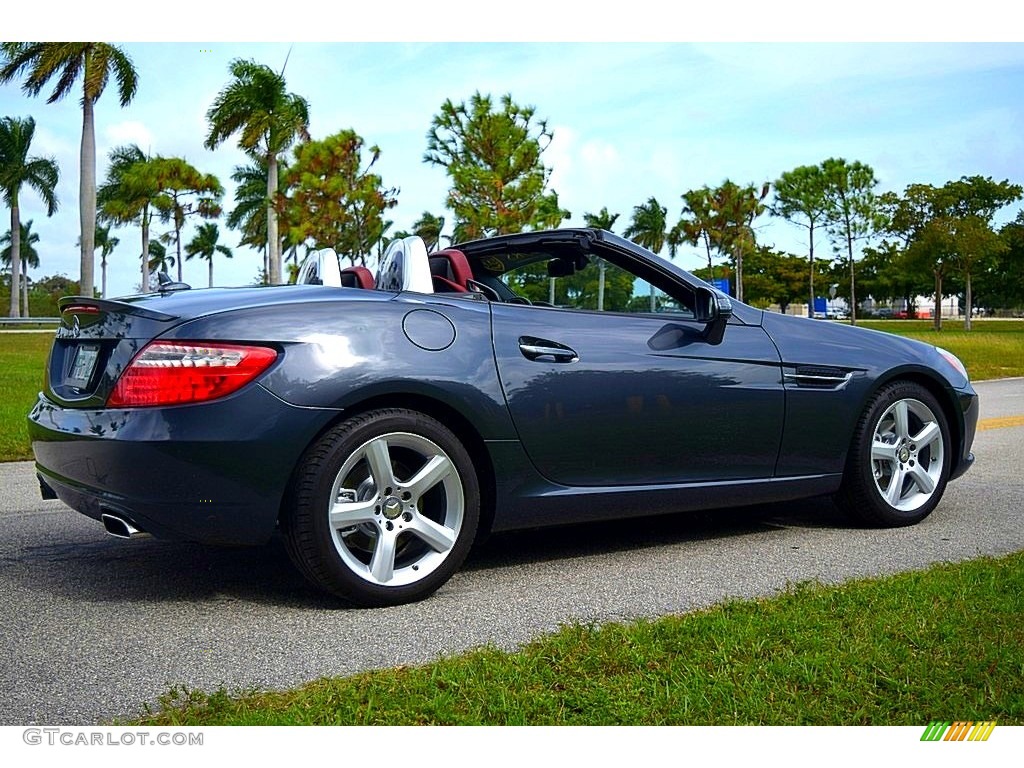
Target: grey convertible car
384, 422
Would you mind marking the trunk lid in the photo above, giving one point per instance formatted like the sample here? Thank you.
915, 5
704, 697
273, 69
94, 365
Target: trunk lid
94, 343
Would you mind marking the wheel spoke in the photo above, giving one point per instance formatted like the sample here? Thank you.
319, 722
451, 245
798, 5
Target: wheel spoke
899, 414
895, 489
382, 566
928, 435
432, 473
883, 451
348, 513
379, 458
436, 536
921, 478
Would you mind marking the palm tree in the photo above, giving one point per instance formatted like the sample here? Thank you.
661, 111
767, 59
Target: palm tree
28, 256
131, 193
602, 220
94, 62
16, 170
428, 227
699, 224
107, 244
205, 245
269, 119
249, 216
649, 229
159, 260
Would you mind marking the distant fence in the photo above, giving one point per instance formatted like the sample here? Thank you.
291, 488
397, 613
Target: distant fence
16, 322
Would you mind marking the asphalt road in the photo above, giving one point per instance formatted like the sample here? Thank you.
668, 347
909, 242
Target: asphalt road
93, 627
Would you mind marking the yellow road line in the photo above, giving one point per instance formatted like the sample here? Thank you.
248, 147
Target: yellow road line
1005, 421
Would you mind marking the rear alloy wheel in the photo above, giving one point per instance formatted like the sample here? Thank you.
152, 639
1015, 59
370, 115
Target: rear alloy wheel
899, 461
384, 508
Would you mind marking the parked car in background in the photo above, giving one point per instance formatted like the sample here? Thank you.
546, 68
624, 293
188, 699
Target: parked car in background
383, 423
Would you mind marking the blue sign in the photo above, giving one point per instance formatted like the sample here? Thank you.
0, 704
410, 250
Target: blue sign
820, 305
722, 284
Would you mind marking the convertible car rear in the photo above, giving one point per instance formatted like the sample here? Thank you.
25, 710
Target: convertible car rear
382, 422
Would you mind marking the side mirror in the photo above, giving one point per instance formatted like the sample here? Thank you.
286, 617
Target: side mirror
714, 310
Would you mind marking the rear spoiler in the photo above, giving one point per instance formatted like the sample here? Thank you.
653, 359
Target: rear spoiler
83, 305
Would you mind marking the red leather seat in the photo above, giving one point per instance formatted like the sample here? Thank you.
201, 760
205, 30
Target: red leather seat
449, 271
357, 277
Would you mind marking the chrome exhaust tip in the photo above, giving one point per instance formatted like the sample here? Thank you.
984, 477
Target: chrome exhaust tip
118, 526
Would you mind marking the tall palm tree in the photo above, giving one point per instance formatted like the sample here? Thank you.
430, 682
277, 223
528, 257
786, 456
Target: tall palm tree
249, 216
205, 245
17, 169
94, 62
29, 257
601, 220
648, 229
106, 244
257, 106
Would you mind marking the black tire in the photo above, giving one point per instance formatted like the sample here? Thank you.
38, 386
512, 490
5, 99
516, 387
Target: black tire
899, 460
422, 522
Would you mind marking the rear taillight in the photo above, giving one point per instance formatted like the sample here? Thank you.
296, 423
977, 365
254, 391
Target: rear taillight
168, 373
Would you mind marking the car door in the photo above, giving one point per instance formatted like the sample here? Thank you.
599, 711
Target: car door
637, 398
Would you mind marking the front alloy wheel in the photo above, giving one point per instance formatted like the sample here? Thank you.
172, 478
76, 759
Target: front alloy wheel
899, 459
384, 509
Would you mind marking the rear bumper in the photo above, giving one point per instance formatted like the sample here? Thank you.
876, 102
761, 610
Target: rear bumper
213, 472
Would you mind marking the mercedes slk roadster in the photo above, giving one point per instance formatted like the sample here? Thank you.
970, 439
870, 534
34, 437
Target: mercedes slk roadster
381, 423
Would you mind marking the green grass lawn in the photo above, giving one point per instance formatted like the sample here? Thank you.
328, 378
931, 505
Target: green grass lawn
942, 644
22, 360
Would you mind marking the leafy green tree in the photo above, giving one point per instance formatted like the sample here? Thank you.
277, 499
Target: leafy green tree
1001, 285
336, 201
18, 169
775, 277
971, 203
29, 257
257, 106
186, 192
800, 198
94, 63
853, 214
950, 228
920, 236
131, 193
205, 245
888, 272
493, 157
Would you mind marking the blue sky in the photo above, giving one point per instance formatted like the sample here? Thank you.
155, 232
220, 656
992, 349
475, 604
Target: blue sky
630, 120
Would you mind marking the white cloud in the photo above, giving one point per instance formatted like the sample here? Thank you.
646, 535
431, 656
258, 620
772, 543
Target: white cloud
130, 132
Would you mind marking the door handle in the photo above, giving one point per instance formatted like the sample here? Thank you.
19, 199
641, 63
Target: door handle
533, 349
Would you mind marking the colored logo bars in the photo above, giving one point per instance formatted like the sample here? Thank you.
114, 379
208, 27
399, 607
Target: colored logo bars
944, 730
